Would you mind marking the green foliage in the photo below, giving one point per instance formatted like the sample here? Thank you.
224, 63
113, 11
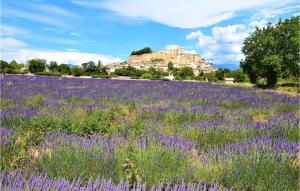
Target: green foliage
170, 66
12, 68
89, 68
186, 73
204, 138
35, 101
64, 69
74, 161
104, 76
222, 73
161, 164
273, 51
101, 69
146, 76
156, 73
152, 162
238, 75
77, 71
263, 169
47, 74
129, 71
129, 165
210, 77
145, 50
53, 67
37, 65
3, 66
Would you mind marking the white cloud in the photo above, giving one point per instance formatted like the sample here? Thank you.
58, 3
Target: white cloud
72, 50
11, 43
263, 16
179, 13
224, 44
172, 46
190, 51
41, 13
53, 10
12, 30
74, 34
187, 49
16, 50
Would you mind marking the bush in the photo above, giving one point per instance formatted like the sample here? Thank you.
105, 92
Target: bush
76, 71
146, 76
47, 74
186, 73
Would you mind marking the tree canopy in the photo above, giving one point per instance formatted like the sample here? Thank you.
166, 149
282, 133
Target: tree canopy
273, 51
37, 65
142, 51
89, 68
64, 69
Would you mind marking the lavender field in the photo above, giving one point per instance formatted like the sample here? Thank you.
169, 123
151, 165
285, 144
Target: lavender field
97, 134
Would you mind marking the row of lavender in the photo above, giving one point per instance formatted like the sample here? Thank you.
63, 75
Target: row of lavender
19, 180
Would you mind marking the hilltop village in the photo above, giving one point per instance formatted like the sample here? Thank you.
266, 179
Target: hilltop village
160, 59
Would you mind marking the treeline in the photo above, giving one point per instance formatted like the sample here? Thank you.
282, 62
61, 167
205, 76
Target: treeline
40, 67
184, 73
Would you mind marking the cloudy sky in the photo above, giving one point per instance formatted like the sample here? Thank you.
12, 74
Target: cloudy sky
75, 31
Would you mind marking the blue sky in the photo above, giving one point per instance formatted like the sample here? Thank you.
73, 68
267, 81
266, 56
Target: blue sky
76, 31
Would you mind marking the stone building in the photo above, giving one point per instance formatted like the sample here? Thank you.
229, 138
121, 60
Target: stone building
160, 59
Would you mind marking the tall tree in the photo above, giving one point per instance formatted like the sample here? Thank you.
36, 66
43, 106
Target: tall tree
53, 67
64, 69
37, 65
3, 66
273, 51
89, 68
186, 73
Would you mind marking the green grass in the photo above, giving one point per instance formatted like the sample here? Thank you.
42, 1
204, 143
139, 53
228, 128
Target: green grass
283, 86
35, 101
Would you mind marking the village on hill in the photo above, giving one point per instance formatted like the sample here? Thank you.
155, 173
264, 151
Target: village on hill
163, 58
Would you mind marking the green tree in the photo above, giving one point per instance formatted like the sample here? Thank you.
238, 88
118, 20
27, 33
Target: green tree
156, 73
37, 65
186, 73
53, 67
222, 73
13, 67
64, 69
101, 68
77, 71
238, 75
170, 66
272, 52
129, 71
89, 68
3, 66
142, 51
